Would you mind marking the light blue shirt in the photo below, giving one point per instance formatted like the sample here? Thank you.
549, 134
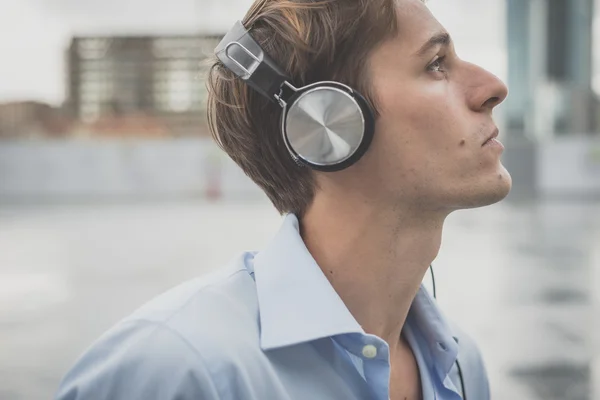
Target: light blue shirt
268, 326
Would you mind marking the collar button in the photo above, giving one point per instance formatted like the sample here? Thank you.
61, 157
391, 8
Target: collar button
369, 351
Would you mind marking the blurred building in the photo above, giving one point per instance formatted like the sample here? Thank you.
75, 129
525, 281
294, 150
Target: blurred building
550, 68
151, 78
27, 119
122, 126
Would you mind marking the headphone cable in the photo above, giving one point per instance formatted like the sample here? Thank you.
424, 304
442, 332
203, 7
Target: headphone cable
433, 282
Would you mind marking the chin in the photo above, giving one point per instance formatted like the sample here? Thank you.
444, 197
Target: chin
491, 190
494, 189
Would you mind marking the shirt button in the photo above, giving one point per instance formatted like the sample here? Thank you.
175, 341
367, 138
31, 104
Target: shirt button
369, 351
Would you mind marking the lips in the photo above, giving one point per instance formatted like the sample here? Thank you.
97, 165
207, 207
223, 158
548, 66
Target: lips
494, 135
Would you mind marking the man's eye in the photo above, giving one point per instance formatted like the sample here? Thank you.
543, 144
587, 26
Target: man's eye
437, 65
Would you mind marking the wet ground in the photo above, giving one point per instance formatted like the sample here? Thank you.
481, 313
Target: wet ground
522, 278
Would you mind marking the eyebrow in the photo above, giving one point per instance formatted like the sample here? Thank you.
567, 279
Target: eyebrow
441, 38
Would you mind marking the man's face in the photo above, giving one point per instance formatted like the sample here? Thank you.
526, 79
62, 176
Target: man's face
435, 116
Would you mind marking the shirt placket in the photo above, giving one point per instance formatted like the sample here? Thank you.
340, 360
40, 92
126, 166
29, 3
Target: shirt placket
375, 362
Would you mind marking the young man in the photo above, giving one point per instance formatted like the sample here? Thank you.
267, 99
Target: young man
333, 308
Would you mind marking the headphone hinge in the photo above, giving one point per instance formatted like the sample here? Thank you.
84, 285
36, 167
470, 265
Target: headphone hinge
284, 95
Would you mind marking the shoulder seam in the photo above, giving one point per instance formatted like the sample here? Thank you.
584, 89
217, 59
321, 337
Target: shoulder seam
184, 305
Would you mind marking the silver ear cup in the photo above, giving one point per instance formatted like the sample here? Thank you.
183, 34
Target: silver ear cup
324, 126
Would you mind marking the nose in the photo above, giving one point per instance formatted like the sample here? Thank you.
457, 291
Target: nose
486, 90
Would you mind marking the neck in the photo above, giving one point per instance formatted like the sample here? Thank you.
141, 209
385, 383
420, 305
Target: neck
375, 258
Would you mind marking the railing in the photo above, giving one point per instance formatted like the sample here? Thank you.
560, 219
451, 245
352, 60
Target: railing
68, 170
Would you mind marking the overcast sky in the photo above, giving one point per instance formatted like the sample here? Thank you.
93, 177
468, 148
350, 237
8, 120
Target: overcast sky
35, 33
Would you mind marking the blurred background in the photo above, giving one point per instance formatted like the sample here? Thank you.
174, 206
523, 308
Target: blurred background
111, 190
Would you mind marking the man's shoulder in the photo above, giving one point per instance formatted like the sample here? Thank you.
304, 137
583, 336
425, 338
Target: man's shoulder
211, 308
232, 281
181, 339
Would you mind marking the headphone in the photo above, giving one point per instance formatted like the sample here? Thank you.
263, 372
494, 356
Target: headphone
326, 126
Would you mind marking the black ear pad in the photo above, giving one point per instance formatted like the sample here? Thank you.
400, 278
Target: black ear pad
368, 117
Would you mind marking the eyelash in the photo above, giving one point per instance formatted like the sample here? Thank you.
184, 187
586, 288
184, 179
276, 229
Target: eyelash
439, 63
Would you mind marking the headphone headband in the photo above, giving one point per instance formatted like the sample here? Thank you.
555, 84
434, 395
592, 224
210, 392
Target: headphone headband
240, 53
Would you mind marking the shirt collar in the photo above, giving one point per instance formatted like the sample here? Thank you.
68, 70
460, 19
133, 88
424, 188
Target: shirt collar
298, 304
296, 301
438, 335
